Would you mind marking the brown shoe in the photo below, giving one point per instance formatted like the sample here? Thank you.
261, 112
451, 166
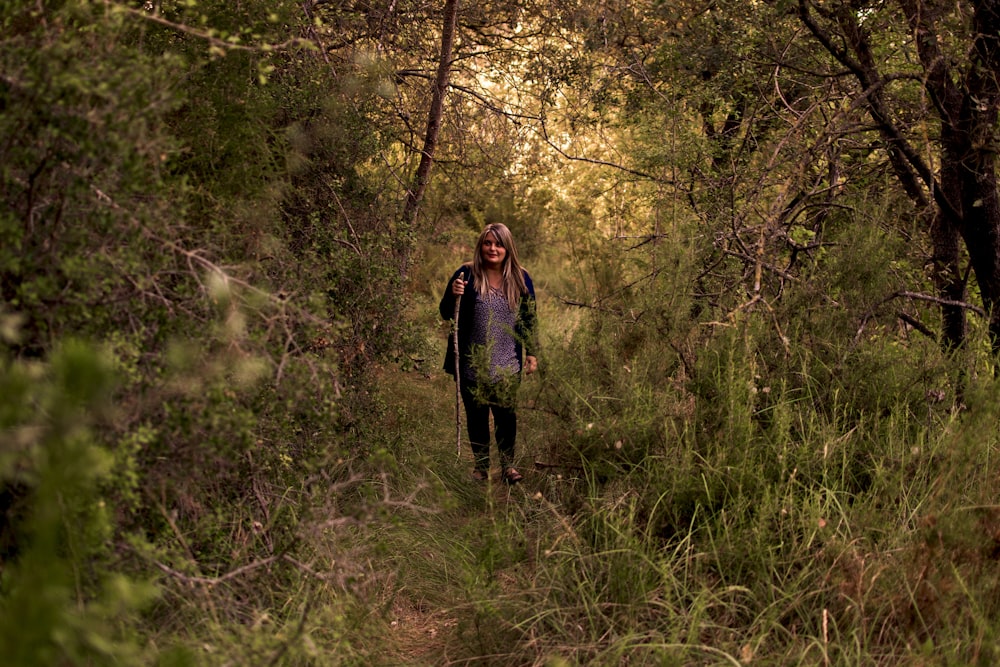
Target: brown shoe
480, 475
512, 476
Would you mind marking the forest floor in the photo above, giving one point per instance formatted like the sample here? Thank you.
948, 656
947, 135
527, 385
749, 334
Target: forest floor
433, 627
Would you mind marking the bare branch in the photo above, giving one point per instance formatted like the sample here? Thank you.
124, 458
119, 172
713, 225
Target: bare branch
214, 581
603, 163
903, 294
933, 299
207, 36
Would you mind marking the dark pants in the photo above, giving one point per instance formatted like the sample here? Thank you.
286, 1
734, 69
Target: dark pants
479, 401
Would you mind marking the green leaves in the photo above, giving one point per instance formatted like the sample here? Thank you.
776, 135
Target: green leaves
57, 604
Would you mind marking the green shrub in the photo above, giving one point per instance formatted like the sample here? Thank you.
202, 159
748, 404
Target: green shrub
61, 598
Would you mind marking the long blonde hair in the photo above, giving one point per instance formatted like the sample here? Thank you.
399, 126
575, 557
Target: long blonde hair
513, 286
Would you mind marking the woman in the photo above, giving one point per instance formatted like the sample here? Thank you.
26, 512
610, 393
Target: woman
496, 325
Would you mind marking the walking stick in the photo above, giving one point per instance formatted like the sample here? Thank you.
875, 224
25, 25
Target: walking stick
458, 382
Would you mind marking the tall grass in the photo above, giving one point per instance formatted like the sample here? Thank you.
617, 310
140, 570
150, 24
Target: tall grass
691, 498
749, 516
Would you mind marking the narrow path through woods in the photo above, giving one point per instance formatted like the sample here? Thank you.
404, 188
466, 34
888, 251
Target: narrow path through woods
430, 631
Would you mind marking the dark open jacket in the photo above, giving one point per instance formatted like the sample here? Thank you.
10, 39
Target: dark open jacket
524, 329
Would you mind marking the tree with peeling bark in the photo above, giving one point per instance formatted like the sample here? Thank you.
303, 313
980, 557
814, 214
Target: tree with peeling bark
950, 175
774, 111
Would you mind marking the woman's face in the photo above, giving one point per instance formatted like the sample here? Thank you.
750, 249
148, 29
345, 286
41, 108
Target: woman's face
492, 252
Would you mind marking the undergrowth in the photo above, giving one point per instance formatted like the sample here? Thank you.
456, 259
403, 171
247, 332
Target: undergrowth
730, 518
677, 509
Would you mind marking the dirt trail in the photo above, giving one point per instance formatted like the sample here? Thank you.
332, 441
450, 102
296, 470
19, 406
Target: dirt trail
423, 633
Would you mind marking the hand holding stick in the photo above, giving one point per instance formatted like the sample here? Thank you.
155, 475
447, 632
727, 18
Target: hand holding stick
457, 288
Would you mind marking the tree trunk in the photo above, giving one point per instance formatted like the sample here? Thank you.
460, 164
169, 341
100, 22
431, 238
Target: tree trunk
980, 200
946, 266
964, 192
421, 178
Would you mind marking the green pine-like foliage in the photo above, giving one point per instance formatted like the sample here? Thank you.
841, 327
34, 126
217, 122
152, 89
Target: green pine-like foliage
225, 434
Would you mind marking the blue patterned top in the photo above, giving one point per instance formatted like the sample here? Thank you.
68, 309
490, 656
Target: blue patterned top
493, 329
494, 322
